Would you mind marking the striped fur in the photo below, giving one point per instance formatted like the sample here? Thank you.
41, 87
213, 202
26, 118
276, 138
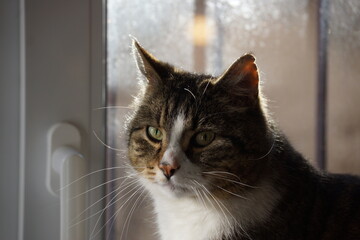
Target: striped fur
248, 182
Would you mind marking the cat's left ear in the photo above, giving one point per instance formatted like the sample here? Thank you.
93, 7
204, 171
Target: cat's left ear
241, 78
152, 69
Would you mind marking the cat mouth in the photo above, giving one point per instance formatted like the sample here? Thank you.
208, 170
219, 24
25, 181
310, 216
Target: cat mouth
173, 187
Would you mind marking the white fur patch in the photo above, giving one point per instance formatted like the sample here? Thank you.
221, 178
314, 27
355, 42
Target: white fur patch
187, 219
182, 217
177, 130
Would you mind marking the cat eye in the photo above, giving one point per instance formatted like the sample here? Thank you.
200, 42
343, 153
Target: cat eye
203, 139
154, 133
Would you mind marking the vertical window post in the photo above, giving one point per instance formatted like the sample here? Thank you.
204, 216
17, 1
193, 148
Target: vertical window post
321, 83
199, 35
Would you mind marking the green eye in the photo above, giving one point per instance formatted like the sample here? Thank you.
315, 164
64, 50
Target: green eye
154, 133
204, 138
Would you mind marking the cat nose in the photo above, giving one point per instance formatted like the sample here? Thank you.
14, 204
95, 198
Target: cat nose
169, 169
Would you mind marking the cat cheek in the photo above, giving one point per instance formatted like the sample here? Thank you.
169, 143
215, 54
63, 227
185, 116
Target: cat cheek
149, 175
160, 177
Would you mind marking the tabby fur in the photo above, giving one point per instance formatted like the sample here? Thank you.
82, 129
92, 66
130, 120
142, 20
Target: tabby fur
249, 182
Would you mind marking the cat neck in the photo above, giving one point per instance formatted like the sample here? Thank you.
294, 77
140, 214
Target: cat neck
187, 218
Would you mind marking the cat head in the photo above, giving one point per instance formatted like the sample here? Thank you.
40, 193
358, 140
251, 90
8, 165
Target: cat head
194, 132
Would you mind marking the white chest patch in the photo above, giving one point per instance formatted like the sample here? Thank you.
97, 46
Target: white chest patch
186, 219
181, 216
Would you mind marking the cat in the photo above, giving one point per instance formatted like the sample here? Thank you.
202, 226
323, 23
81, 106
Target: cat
217, 167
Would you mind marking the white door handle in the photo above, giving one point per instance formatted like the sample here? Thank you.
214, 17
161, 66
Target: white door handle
65, 165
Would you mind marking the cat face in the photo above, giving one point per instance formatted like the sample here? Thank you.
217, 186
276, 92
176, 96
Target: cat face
192, 133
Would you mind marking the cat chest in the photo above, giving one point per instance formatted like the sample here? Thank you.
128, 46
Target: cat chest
188, 221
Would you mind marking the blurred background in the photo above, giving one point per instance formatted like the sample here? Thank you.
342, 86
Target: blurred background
287, 40
70, 62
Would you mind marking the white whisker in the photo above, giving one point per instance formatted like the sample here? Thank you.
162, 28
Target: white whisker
112, 107
215, 200
188, 90
92, 235
272, 146
111, 202
222, 172
206, 87
131, 212
237, 195
97, 171
109, 147
102, 184
126, 186
230, 180
227, 210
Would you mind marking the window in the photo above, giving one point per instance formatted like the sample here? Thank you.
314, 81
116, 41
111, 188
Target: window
53, 70
283, 36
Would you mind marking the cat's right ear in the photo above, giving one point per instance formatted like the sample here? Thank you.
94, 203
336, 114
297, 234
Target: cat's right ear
150, 67
241, 78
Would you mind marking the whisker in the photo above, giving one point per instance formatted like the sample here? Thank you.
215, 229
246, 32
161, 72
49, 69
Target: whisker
92, 235
131, 212
126, 186
186, 89
102, 184
103, 209
222, 172
230, 180
109, 147
202, 95
197, 196
237, 195
215, 200
114, 203
271, 148
97, 171
206, 87
112, 107
202, 200
205, 195
227, 210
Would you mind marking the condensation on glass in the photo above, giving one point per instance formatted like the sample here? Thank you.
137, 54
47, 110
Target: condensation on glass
343, 133
282, 34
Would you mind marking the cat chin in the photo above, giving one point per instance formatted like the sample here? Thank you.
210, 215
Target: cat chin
172, 190
168, 189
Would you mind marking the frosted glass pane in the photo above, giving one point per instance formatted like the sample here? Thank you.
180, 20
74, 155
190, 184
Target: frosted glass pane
162, 27
344, 86
282, 35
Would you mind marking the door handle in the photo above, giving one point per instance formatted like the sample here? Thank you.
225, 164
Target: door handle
65, 165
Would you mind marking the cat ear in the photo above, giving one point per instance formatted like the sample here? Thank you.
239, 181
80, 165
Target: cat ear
152, 69
241, 78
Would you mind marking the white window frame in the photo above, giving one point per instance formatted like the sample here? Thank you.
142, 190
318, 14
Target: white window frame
54, 72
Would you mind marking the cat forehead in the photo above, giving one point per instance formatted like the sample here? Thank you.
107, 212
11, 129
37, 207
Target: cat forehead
192, 81
196, 107
178, 128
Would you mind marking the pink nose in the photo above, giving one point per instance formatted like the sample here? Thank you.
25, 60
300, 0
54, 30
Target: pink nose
169, 169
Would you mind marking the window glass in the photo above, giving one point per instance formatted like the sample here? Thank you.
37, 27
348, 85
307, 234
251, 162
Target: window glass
343, 134
282, 36
208, 35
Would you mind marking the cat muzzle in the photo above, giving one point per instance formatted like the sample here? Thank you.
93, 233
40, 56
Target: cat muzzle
169, 169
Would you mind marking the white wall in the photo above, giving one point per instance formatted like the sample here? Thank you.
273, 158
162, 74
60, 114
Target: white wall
59, 78
9, 117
